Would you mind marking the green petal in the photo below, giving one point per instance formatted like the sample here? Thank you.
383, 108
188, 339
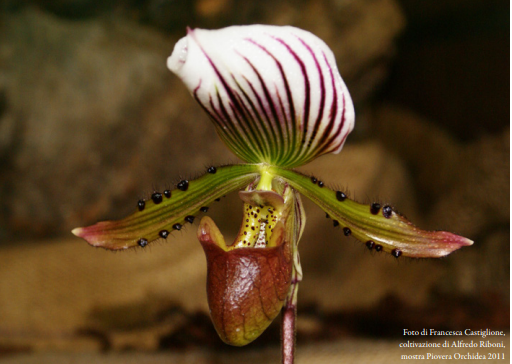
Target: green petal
158, 219
380, 228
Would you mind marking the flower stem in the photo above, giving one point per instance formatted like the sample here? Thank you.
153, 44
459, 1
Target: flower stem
288, 317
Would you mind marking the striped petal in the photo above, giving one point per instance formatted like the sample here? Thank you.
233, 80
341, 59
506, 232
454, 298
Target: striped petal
379, 227
169, 211
274, 93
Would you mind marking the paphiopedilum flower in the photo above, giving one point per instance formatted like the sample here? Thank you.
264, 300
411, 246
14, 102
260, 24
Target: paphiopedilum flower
277, 101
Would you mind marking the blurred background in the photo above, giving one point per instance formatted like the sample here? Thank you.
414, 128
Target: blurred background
91, 120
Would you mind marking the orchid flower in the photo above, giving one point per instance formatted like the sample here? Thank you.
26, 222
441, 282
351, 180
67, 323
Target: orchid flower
277, 101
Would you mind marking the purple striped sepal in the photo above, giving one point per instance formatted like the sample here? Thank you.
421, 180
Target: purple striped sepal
274, 93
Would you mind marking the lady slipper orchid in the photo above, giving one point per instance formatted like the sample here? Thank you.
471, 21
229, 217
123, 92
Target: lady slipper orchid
277, 101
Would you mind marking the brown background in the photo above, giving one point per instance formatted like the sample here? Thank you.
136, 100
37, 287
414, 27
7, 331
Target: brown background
91, 120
